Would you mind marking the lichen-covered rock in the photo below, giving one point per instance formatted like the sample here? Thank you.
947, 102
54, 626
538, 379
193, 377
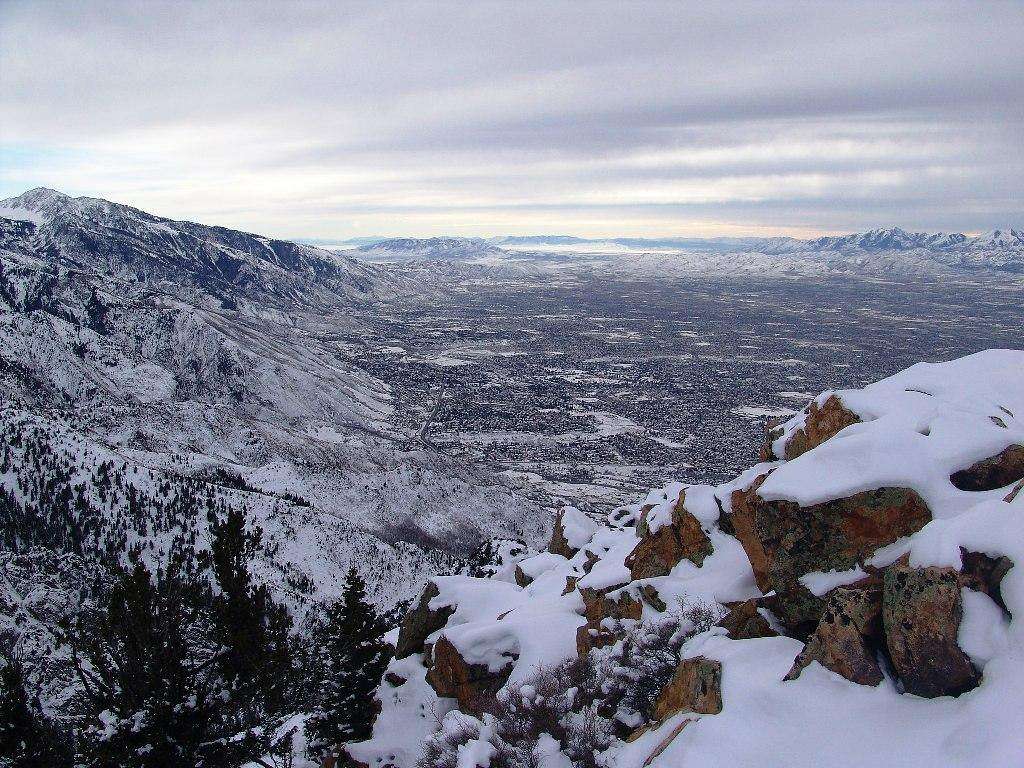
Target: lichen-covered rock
696, 686
847, 632
921, 613
784, 540
820, 424
451, 676
997, 471
420, 622
660, 551
744, 622
598, 606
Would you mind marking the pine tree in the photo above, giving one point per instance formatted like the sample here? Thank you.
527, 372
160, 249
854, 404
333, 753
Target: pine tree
27, 738
354, 656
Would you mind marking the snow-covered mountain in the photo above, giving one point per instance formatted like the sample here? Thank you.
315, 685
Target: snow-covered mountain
854, 596
430, 249
878, 253
173, 355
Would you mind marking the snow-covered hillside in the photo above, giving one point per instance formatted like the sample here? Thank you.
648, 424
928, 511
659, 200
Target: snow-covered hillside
853, 598
202, 355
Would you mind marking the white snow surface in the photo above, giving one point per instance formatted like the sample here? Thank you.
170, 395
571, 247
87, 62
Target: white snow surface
908, 438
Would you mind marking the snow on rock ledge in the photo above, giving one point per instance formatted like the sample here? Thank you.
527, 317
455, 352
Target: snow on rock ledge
897, 595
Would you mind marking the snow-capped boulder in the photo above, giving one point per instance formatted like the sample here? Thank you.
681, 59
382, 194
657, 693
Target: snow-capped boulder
661, 549
421, 622
817, 423
453, 677
744, 621
998, 471
572, 531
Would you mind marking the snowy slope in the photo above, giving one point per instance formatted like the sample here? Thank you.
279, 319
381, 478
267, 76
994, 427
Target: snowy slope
948, 432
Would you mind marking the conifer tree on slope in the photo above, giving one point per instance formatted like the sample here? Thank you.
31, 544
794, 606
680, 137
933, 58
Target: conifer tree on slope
354, 656
27, 739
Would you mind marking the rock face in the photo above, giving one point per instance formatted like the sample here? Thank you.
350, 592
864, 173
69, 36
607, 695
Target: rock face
598, 606
696, 686
846, 634
784, 540
570, 532
421, 622
744, 622
658, 552
452, 677
997, 471
921, 612
820, 424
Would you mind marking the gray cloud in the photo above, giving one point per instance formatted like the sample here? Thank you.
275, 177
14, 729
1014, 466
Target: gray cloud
310, 119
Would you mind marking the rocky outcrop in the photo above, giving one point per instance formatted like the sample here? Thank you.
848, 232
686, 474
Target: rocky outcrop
820, 424
784, 540
451, 676
421, 622
997, 471
696, 686
744, 622
598, 606
921, 613
659, 552
570, 532
847, 633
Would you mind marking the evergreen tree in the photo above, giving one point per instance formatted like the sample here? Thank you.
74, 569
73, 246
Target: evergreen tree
27, 738
354, 656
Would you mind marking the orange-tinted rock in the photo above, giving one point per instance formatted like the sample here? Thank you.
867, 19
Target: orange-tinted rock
696, 686
997, 471
452, 677
820, 424
921, 613
743, 520
559, 545
521, 578
1013, 494
420, 622
784, 540
659, 552
845, 637
744, 622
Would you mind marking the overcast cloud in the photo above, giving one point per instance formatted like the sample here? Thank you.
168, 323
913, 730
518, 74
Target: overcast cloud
332, 120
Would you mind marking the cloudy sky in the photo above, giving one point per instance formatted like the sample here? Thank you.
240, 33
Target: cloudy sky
682, 118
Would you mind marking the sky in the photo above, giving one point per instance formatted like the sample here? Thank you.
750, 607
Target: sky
338, 120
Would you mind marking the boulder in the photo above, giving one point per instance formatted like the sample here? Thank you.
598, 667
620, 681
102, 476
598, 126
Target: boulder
660, 551
921, 612
997, 471
744, 622
985, 574
421, 622
846, 635
820, 424
598, 606
522, 579
696, 686
451, 676
571, 532
783, 540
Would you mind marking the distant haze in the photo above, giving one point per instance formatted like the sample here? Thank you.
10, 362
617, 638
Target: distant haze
336, 121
